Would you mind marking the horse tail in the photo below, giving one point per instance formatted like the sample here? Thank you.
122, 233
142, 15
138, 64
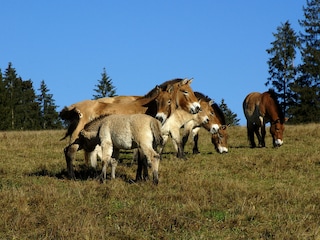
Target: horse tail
156, 131
72, 116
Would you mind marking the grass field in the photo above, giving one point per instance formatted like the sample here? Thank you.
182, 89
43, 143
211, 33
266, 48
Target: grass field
261, 193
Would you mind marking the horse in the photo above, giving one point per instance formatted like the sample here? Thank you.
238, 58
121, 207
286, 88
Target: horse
259, 109
79, 114
218, 128
115, 132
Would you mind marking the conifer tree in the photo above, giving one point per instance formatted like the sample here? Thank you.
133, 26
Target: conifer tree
231, 118
48, 114
105, 87
307, 85
281, 64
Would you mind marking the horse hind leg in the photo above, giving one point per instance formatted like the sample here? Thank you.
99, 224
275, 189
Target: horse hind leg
250, 133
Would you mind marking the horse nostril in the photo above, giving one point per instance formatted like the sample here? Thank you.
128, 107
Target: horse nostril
160, 119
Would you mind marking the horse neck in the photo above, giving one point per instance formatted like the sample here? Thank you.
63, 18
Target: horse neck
272, 112
181, 116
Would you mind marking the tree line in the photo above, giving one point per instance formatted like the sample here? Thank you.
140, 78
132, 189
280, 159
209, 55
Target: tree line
297, 85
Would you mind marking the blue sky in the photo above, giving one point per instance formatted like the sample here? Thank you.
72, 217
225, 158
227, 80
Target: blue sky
221, 44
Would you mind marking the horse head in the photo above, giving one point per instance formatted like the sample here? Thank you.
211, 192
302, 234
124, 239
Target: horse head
220, 138
185, 97
163, 102
276, 130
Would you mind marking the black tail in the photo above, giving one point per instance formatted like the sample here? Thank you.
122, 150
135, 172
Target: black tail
72, 118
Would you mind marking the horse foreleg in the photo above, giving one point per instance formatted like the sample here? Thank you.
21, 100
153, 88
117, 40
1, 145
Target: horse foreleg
70, 153
175, 134
142, 166
155, 168
263, 135
195, 149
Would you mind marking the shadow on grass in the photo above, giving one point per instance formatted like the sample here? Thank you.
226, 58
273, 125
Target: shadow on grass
82, 173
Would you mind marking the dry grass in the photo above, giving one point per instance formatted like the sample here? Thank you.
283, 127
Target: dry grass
248, 193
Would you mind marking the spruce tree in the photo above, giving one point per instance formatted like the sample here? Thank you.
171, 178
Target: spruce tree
105, 87
231, 118
48, 114
281, 64
307, 85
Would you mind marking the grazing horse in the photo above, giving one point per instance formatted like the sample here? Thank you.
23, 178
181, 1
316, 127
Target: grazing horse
217, 126
115, 132
79, 114
259, 109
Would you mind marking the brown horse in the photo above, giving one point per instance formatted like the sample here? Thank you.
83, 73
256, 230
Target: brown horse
218, 127
260, 109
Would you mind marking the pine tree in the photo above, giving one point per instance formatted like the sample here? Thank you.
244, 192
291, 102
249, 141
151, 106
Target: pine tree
48, 114
307, 85
231, 118
4, 109
281, 64
105, 87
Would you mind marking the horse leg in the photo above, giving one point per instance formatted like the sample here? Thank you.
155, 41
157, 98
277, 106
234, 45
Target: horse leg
70, 153
107, 149
175, 134
185, 137
263, 135
250, 133
195, 149
153, 159
114, 162
256, 130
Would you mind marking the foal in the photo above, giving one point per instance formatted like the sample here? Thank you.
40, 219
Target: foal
115, 132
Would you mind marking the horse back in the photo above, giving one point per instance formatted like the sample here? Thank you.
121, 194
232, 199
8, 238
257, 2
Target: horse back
251, 107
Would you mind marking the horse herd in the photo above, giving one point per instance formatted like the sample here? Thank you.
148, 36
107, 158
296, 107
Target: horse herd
144, 123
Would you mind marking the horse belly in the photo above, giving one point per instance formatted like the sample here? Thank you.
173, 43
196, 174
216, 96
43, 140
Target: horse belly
123, 142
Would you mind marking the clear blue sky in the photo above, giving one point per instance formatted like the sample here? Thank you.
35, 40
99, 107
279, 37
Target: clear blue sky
142, 43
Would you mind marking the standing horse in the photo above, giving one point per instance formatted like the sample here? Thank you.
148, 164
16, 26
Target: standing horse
117, 132
217, 126
259, 109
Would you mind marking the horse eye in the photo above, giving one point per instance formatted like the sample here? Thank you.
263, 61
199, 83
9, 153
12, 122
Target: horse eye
185, 92
169, 101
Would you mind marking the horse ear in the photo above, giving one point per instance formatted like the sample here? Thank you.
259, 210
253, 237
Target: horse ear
286, 119
190, 80
211, 102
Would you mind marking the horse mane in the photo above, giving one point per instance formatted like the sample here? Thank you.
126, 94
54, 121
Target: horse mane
219, 113
201, 96
274, 97
163, 87
165, 84
93, 123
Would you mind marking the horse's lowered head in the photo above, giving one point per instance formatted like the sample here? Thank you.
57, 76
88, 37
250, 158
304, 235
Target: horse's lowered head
220, 139
276, 130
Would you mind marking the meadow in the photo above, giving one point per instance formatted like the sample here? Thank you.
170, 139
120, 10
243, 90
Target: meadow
262, 193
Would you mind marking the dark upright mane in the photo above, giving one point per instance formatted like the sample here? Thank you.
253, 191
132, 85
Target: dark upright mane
274, 97
164, 85
219, 113
201, 96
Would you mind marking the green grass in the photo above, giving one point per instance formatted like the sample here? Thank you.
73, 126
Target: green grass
262, 193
